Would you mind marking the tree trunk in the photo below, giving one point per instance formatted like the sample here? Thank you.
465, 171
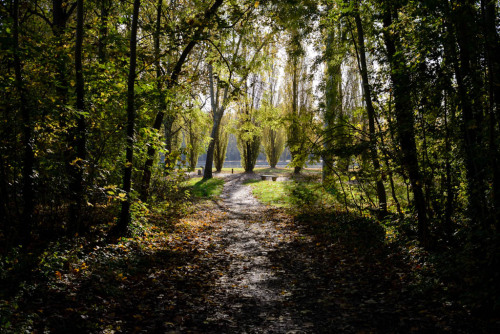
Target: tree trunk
29, 158
144, 192
217, 112
60, 18
381, 194
125, 218
295, 140
103, 31
273, 149
469, 88
492, 47
77, 182
405, 122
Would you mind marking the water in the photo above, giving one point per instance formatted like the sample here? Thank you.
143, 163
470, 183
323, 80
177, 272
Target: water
259, 164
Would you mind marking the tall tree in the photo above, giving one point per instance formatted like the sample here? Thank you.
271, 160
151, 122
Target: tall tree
161, 102
273, 133
248, 128
298, 102
219, 106
382, 197
334, 55
404, 116
29, 157
217, 114
489, 13
464, 18
77, 182
125, 218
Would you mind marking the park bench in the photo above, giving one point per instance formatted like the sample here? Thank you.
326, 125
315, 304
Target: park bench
273, 177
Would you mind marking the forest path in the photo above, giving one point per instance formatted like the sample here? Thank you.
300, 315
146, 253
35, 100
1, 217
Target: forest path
279, 278
252, 297
234, 266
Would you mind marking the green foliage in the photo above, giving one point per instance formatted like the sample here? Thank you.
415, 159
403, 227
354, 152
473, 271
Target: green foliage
273, 134
196, 125
297, 100
302, 196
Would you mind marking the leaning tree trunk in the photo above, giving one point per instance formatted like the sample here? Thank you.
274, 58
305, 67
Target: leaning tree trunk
382, 197
127, 175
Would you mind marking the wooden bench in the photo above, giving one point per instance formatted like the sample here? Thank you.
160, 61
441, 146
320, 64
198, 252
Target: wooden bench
264, 177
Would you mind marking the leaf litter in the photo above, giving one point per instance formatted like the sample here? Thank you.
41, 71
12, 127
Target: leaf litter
235, 266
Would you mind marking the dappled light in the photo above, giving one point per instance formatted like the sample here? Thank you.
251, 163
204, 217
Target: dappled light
273, 166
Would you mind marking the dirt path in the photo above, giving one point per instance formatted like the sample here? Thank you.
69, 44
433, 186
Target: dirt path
252, 297
280, 279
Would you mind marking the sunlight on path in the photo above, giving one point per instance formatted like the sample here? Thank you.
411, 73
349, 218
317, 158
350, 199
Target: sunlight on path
253, 296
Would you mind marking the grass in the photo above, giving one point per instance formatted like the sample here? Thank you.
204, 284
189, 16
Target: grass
290, 194
273, 171
206, 189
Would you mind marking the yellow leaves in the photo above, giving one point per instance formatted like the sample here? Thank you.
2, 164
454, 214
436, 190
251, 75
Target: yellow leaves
256, 4
120, 277
76, 161
58, 274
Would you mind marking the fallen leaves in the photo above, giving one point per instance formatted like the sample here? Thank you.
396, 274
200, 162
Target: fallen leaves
169, 280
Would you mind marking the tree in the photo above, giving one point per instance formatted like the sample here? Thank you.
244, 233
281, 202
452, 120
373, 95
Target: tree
125, 217
27, 219
273, 133
220, 146
238, 65
77, 182
196, 124
198, 29
333, 119
248, 132
273, 139
298, 102
382, 198
404, 116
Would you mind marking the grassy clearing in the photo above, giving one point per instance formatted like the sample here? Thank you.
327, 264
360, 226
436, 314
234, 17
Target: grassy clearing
206, 189
291, 194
